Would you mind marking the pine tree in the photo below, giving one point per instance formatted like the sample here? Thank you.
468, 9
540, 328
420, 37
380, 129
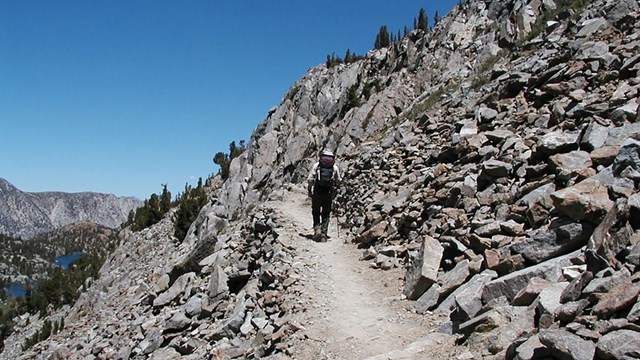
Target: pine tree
154, 208
333, 60
46, 330
165, 199
221, 159
224, 160
347, 57
422, 20
352, 97
436, 19
382, 39
192, 201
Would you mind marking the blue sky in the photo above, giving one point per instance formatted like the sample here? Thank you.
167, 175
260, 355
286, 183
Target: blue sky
123, 96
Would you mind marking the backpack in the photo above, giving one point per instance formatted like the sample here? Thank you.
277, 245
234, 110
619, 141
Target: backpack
324, 173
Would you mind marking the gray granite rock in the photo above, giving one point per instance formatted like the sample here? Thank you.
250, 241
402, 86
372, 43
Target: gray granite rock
509, 285
177, 289
621, 344
424, 269
557, 241
567, 346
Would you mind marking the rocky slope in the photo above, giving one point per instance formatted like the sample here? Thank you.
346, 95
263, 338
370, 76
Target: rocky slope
497, 157
24, 214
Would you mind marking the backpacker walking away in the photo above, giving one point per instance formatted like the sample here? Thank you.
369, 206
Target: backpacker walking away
323, 181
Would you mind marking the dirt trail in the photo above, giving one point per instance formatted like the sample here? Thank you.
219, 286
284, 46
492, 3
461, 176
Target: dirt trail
352, 310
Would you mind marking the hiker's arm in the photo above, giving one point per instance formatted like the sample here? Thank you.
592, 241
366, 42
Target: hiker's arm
338, 177
310, 180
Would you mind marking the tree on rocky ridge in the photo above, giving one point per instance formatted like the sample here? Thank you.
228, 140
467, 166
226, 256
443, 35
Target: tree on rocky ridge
165, 199
383, 38
224, 160
423, 23
190, 204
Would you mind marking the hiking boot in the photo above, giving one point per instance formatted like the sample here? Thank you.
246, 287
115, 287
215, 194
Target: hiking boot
317, 233
324, 229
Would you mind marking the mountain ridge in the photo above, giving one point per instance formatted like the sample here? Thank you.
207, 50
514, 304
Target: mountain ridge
26, 214
494, 163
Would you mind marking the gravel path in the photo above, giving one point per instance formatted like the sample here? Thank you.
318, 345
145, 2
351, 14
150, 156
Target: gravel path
352, 311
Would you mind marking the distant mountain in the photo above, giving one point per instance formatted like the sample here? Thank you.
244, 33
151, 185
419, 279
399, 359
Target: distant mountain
26, 214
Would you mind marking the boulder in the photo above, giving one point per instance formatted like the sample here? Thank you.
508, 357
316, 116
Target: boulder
569, 311
569, 163
634, 313
605, 281
178, 288
564, 345
621, 297
218, 284
496, 168
546, 244
595, 136
528, 294
496, 329
165, 353
453, 278
178, 321
428, 300
423, 271
628, 157
620, 344
372, 234
532, 348
468, 297
586, 201
604, 156
558, 142
574, 290
612, 235
510, 284
549, 302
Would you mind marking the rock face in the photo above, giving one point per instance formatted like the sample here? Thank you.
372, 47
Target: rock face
25, 214
496, 153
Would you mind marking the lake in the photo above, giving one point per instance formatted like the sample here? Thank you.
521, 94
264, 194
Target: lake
64, 261
15, 290
18, 290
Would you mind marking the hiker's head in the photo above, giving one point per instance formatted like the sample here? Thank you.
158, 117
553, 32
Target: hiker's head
327, 153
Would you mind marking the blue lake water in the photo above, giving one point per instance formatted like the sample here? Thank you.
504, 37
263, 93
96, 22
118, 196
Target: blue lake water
18, 290
15, 290
64, 261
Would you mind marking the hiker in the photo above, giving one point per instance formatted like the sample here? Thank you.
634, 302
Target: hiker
323, 181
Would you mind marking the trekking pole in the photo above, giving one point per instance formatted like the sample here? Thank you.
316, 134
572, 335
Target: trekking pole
337, 227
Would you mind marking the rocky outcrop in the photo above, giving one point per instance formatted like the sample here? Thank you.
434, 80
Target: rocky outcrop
161, 298
496, 154
529, 175
24, 214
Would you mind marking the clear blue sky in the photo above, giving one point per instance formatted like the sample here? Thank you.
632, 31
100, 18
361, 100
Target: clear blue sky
123, 96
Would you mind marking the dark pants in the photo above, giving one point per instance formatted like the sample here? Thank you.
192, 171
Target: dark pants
321, 207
